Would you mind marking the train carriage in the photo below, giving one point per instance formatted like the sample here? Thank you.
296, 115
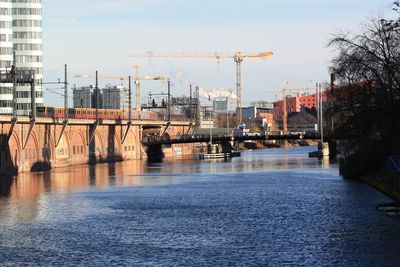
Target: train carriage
90, 113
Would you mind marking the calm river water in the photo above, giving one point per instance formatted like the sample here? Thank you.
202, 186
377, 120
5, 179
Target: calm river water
267, 208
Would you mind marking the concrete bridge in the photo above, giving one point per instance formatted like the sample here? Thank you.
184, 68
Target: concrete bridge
47, 143
154, 144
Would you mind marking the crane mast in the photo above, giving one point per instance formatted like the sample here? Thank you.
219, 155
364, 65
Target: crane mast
238, 61
236, 56
137, 83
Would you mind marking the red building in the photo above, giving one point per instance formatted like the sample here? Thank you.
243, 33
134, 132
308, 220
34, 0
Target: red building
294, 104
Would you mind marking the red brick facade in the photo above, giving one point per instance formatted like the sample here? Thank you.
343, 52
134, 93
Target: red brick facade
294, 104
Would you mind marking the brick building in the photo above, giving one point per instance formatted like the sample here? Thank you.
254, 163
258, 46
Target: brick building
296, 103
260, 116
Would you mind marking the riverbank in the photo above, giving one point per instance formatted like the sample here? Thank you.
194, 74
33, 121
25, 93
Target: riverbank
386, 183
371, 170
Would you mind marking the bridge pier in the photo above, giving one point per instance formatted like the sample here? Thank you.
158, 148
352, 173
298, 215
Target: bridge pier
155, 153
332, 149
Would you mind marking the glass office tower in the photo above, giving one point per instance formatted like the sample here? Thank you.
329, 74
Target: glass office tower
27, 43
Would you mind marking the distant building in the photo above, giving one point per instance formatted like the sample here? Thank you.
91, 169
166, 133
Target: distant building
85, 97
296, 103
27, 44
224, 104
261, 117
21, 32
116, 97
6, 56
220, 105
256, 112
262, 104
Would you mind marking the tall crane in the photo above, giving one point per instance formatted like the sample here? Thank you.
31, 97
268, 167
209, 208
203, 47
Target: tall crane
137, 79
238, 58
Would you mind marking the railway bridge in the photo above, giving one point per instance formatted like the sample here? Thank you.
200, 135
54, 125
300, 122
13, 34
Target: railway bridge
47, 143
193, 138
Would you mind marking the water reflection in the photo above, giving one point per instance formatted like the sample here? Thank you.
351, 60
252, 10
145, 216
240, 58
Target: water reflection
273, 207
131, 173
23, 198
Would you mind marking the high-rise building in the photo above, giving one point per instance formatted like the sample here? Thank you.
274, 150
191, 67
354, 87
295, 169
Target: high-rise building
224, 104
6, 57
116, 97
83, 97
86, 97
26, 41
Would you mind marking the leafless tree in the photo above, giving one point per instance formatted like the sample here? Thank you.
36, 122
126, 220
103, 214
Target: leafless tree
368, 67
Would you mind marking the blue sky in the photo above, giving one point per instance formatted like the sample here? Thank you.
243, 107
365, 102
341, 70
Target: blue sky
99, 35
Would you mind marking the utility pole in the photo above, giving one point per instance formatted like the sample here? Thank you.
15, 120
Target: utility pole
137, 82
190, 104
129, 111
66, 115
33, 98
227, 117
169, 101
333, 78
317, 106
198, 112
284, 111
97, 96
321, 112
211, 126
130, 100
14, 78
66, 92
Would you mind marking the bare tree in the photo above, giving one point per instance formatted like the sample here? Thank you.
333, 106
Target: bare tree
368, 67
367, 100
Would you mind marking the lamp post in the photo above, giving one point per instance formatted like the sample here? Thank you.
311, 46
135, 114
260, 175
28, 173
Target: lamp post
227, 117
211, 118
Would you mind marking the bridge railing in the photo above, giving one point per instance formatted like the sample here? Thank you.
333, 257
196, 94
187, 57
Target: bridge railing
106, 114
185, 138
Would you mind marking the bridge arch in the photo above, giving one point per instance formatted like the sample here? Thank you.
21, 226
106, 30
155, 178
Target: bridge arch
30, 155
63, 150
78, 147
117, 144
99, 151
131, 148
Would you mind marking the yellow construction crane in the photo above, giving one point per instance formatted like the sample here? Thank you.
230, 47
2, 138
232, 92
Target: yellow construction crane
236, 56
137, 79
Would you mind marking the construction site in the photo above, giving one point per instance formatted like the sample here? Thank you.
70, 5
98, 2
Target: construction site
297, 110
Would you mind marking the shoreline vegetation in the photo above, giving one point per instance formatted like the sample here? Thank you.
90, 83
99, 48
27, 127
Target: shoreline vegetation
367, 101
